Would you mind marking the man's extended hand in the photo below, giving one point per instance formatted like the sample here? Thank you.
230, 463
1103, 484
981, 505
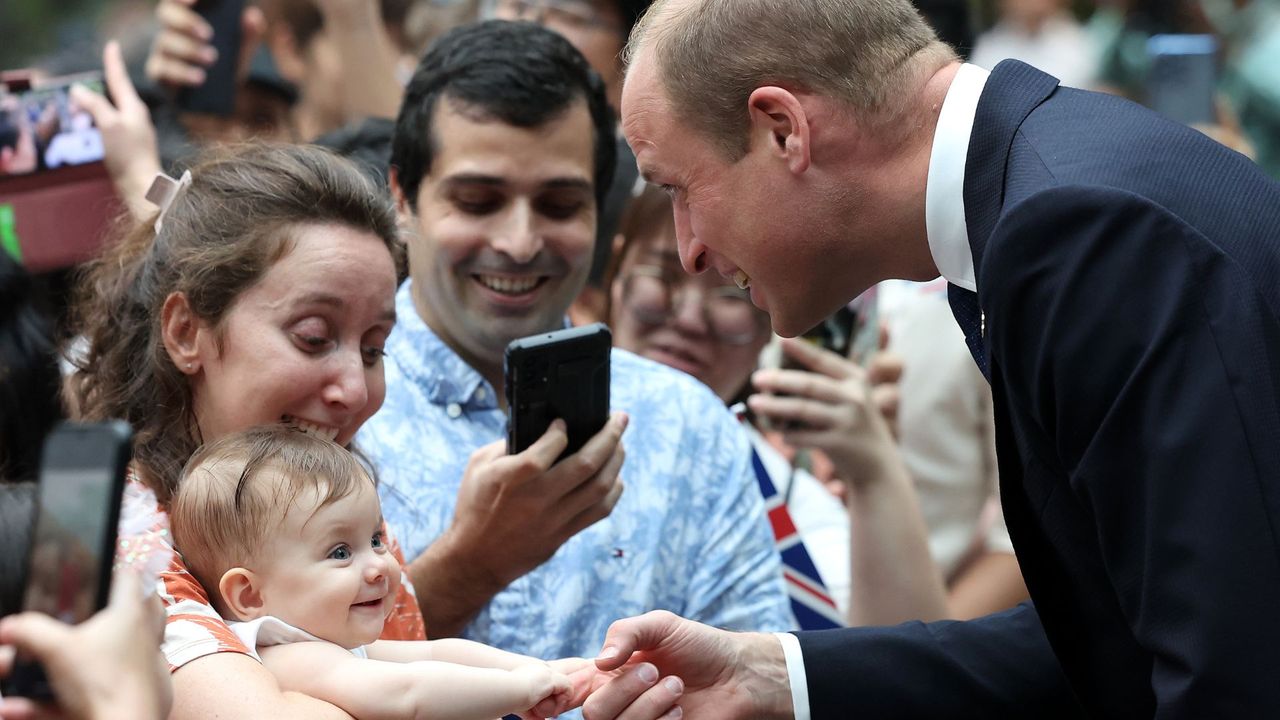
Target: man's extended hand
708, 672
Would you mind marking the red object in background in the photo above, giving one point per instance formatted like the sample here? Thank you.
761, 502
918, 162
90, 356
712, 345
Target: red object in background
61, 216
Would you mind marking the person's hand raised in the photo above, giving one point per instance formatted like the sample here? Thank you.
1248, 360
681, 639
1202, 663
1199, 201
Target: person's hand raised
829, 406
183, 47
128, 137
106, 668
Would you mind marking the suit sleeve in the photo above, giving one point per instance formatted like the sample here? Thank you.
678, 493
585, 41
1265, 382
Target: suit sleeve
1145, 356
997, 666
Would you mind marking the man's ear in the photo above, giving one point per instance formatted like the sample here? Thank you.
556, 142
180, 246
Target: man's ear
180, 330
242, 594
780, 125
397, 193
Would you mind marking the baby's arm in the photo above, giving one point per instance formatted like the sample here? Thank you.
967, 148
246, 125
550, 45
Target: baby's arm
422, 689
452, 650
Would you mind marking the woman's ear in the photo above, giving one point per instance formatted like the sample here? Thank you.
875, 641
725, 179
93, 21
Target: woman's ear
241, 593
180, 330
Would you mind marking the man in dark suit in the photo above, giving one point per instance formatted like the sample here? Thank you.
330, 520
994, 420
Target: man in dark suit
1118, 279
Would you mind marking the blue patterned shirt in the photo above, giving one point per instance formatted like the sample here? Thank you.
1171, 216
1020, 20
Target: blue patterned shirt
688, 535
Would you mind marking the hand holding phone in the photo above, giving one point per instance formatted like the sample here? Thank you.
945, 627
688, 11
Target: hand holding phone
73, 546
562, 374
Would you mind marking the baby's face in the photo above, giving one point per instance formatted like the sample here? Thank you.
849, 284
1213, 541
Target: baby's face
328, 572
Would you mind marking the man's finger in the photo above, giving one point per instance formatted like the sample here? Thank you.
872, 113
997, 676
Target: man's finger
6, 660
185, 49
634, 634
544, 451
123, 94
814, 415
93, 103
177, 16
34, 633
799, 382
638, 692
817, 359
253, 26
16, 708
163, 70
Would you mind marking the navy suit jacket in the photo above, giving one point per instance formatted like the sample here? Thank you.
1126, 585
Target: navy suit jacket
1129, 270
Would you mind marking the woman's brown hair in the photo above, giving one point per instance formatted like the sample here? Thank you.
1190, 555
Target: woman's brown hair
219, 237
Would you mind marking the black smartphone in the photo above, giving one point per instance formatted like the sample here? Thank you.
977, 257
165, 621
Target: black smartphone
68, 573
1183, 80
562, 374
217, 96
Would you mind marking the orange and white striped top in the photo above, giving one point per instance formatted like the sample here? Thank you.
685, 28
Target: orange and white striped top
193, 628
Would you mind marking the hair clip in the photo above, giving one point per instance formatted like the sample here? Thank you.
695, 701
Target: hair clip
162, 192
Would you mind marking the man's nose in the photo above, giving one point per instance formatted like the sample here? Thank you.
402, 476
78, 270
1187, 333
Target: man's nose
518, 237
693, 254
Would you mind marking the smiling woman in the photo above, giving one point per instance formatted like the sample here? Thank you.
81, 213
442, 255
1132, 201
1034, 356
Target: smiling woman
262, 294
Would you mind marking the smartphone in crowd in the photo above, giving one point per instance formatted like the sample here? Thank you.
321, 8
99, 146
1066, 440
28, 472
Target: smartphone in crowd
68, 574
1182, 83
56, 197
562, 374
217, 95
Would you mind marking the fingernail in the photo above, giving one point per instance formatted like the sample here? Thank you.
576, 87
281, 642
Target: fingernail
210, 54
648, 674
608, 653
674, 713
674, 685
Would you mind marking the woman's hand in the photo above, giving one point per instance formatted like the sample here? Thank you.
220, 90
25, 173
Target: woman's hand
829, 406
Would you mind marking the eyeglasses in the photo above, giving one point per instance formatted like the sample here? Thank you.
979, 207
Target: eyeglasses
571, 13
653, 296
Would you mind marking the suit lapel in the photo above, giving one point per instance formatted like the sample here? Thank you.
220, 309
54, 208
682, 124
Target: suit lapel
1012, 92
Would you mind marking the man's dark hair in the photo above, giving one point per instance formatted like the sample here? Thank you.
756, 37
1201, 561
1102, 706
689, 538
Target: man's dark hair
517, 73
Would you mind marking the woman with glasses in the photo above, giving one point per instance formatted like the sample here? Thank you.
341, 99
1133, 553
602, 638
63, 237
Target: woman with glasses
870, 555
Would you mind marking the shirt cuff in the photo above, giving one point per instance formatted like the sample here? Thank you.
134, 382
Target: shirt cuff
795, 673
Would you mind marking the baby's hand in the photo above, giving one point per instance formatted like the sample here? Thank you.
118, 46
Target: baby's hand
544, 684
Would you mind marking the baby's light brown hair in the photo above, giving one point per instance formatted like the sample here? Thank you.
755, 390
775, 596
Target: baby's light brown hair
233, 492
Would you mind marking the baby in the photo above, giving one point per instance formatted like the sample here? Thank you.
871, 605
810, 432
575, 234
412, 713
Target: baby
284, 531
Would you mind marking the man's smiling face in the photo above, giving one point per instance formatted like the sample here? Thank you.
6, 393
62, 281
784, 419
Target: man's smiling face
505, 225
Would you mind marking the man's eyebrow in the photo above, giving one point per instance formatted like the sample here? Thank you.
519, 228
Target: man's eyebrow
570, 184
474, 179
574, 183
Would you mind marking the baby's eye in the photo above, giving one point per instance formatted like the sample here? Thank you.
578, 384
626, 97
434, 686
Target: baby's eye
342, 552
377, 541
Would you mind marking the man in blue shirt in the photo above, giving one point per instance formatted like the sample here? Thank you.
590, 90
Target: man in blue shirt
502, 151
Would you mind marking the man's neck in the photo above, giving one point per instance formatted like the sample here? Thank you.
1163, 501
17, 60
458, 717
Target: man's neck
909, 167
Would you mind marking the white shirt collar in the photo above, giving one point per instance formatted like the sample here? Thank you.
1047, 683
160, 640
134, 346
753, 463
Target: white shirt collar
944, 195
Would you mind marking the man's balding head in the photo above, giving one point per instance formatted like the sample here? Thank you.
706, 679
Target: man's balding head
709, 55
